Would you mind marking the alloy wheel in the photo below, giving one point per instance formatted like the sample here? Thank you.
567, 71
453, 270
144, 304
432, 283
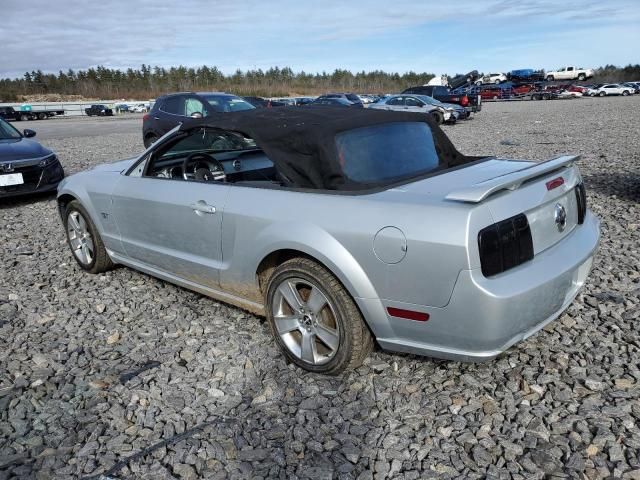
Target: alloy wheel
80, 238
306, 321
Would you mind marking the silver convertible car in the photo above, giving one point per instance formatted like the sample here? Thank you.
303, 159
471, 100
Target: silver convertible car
344, 227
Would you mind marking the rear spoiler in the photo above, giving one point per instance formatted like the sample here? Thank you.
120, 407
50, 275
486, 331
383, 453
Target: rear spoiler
510, 181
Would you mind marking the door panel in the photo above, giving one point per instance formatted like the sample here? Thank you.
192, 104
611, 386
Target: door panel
172, 225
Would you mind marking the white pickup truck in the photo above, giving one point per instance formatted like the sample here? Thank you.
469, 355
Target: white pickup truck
570, 73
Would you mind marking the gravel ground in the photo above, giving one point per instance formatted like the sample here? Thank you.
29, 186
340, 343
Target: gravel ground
125, 376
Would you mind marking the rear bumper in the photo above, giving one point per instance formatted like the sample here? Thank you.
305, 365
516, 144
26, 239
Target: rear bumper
484, 317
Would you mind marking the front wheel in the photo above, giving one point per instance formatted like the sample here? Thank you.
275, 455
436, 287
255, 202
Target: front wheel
24, 118
625, 93
84, 240
314, 320
582, 77
437, 117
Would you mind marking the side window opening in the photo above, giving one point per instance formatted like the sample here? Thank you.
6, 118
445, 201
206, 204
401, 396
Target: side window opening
212, 155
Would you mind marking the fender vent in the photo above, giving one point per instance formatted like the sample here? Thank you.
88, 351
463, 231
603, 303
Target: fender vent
505, 245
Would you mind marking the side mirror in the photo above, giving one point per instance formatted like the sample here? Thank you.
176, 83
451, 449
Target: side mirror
196, 115
28, 133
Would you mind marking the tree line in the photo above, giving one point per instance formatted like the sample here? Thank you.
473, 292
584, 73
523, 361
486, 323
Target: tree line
149, 82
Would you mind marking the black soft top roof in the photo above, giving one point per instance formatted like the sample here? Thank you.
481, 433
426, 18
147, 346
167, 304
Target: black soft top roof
300, 141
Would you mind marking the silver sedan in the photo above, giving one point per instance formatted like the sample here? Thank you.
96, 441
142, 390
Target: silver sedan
413, 103
344, 228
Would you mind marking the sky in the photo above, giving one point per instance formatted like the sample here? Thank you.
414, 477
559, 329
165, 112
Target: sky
439, 37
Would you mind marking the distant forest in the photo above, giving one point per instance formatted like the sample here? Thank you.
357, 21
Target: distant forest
149, 82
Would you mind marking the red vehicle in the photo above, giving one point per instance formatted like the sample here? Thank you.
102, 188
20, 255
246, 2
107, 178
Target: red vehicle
577, 88
494, 92
522, 89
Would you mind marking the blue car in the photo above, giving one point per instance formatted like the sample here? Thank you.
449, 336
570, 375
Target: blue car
25, 165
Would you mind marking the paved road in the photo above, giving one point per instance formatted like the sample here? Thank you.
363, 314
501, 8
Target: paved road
59, 128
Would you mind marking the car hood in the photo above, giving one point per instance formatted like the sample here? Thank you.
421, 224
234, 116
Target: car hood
21, 149
118, 166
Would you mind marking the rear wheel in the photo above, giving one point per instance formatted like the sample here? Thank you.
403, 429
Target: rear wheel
314, 320
150, 140
24, 117
42, 116
582, 77
84, 239
550, 78
602, 94
437, 117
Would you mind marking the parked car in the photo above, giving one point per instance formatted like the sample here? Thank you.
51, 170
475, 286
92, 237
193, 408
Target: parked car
325, 101
419, 104
343, 227
99, 111
139, 108
257, 102
25, 165
570, 73
175, 108
633, 87
350, 97
610, 89
494, 78
300, 101
11, 114
122, 108
472, 102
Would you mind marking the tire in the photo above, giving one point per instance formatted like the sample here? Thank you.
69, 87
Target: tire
42, 116
495, 97
437, 117
24, 118
150, 140
602, 94
497, 82
338, 319
88, 250
582, 77
550, 78
545, 96
625, 93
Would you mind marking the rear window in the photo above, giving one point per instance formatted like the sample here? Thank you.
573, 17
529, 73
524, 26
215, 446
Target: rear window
387, 153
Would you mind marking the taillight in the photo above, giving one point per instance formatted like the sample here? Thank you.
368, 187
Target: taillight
581, 199
145, 117
464, 101
505, 245
555, 183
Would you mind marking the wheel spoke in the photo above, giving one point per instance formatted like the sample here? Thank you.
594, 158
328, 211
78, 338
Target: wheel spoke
291, 296
82, 224
308, 348
75, 243
73, 220
328, 336
287, 324
316, 301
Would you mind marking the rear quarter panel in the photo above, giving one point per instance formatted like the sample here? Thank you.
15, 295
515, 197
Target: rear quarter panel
339, 230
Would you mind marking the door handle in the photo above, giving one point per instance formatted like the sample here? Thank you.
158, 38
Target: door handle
156, 118
203, 207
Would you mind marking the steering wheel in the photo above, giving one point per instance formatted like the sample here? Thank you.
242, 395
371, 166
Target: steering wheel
200, 170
